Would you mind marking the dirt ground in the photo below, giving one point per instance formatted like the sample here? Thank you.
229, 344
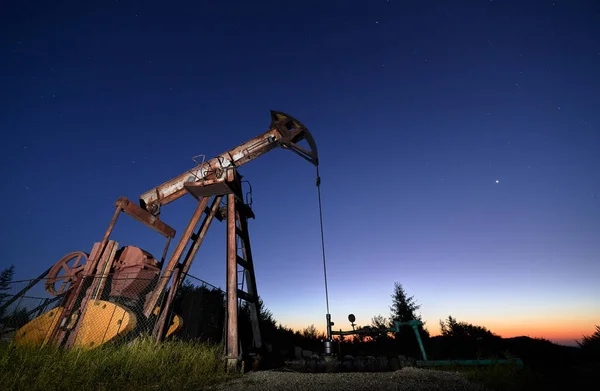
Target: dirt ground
415, 379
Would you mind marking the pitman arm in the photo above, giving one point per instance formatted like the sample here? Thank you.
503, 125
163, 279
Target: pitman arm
285, 131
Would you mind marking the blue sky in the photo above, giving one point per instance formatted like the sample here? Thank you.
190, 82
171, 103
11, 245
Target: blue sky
457, 139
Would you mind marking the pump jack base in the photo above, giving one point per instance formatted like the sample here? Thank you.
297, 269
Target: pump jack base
234, 365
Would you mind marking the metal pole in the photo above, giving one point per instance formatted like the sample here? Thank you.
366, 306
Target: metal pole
166, 276
164, 316
187, 262
24, 290
418, 335
57, 335
232, 310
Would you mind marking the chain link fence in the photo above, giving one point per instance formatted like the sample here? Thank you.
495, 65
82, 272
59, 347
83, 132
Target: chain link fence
17, 309
202, 307
111, 308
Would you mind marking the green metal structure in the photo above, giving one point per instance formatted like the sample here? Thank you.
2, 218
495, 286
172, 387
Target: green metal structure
425, 362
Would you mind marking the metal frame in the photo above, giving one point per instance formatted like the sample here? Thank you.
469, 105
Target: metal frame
425, 362
216, 178
99, 263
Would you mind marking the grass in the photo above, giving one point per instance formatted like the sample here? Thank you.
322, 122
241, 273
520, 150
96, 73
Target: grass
140, 365
177, 365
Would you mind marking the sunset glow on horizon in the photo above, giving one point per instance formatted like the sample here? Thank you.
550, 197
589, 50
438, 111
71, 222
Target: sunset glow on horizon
565, 334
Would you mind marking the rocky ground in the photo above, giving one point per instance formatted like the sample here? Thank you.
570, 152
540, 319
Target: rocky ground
414, 379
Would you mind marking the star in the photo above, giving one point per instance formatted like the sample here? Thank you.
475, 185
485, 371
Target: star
497, 181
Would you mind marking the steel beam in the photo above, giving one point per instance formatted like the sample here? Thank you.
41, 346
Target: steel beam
232, 296
174, 260
145, 217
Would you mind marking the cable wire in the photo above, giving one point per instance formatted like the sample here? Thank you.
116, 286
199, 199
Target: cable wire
322, 239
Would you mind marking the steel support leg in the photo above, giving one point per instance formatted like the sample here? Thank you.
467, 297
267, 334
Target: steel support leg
232, 297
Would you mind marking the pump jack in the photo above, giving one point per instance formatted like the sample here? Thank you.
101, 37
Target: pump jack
96, 300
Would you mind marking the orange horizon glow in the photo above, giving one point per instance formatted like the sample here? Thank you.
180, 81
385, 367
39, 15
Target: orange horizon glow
563, 333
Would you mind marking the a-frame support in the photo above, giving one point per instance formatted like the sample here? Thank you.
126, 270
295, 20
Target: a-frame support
236, 214
239, 259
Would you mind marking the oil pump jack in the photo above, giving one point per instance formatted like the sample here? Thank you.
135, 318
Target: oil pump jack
97, 290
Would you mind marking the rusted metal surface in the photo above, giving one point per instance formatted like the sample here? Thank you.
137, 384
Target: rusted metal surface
208, 188
104, 263
58, 334
165, 251
133, 271
216, 178
145, 217
106, 266
178, 277
71, 273
232, 302
197, 239
250, 278
168, 271
210, 169
200, 235
100, 264
159, 327
91, 293
285, 131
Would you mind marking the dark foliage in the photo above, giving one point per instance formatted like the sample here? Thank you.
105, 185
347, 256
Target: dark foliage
203, 312
591, 345
404, 308
462, 340
16, 319
6, 277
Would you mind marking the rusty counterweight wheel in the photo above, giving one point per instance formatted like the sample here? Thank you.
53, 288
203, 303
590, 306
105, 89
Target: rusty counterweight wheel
65, 272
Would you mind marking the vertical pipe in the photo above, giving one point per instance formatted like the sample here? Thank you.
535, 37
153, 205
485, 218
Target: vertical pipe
418, 335
232, 313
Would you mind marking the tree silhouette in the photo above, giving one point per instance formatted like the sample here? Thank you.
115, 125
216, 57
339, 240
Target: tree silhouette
465, 340
6, 277
591, 345
310, 332
202, 310
452, 328
380, 322
18, 318
404, 308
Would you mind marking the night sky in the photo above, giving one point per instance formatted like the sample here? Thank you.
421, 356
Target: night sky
458, 141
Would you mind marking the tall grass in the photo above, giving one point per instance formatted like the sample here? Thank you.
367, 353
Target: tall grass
142, 364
